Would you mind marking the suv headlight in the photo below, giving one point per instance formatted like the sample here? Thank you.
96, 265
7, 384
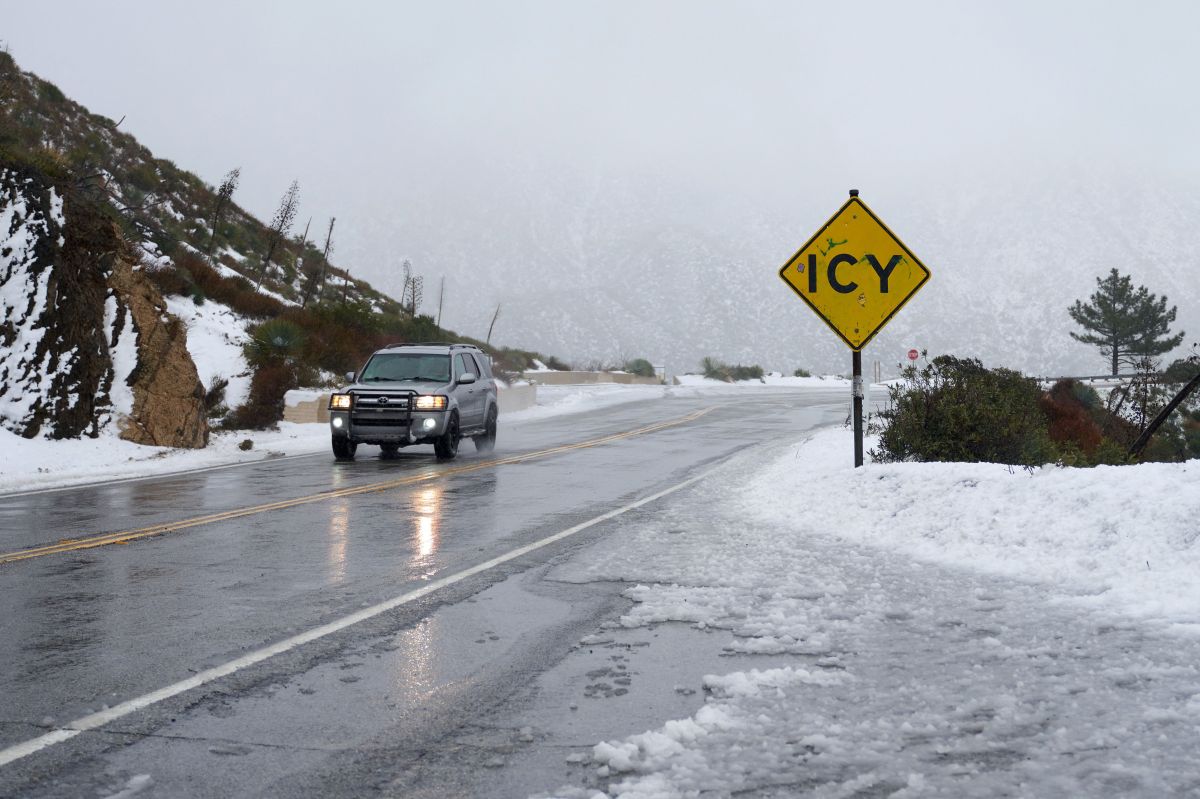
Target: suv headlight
340, 402
431, 402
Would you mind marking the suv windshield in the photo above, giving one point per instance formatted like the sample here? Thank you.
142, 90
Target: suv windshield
407, 366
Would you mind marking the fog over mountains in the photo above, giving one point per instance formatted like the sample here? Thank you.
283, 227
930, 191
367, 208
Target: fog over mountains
605, 270
626, 179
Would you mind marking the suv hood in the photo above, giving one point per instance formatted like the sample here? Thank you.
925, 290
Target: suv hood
419, 386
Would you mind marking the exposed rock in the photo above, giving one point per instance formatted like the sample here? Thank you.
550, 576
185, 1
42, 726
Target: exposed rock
168, 397
85, 340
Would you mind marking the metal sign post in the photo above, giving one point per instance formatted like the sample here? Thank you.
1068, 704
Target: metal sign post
856, 275
857, 383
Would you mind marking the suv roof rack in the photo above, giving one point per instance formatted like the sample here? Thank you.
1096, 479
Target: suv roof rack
430, 344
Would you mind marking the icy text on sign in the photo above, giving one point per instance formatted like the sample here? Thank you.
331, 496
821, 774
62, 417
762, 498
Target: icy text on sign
855, 273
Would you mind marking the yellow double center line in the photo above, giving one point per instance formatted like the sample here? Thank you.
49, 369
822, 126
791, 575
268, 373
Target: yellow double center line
88, 542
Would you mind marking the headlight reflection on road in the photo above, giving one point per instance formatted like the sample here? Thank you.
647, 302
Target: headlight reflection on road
339, 534
427, 504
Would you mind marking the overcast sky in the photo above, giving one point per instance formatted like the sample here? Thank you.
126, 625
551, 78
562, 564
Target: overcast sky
353, 98
389, 112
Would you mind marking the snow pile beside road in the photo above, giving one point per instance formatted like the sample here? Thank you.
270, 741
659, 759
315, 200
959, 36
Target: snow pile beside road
904, 678
38, 463
1121, 537
729, 721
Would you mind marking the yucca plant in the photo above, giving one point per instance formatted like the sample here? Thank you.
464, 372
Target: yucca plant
273, 342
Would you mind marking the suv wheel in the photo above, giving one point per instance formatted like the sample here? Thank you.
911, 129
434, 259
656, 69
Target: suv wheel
446, 445
487, 441
343, 448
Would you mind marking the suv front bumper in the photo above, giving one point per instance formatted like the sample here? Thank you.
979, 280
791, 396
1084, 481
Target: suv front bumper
371, 426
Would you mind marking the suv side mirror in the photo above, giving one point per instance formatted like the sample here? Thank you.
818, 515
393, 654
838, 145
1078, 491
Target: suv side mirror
467, 378
350, 376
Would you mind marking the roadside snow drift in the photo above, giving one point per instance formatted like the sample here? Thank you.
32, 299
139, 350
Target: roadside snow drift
932, 630
1118, 536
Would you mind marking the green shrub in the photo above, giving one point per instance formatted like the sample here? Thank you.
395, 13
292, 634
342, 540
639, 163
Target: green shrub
954, 409
640, 367
52, 92
714, 369
50, 162
801, 373
1182, 370
143, 175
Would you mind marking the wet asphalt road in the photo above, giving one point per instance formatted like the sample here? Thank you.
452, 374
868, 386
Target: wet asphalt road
348, 714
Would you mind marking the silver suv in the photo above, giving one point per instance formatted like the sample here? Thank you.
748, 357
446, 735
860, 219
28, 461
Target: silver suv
417, 394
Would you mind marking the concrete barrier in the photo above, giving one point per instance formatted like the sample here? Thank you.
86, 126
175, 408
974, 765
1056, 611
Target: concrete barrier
306, 407
516, 398
588, 378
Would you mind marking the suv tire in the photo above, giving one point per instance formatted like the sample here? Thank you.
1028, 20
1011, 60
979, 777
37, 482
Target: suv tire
446, 445
487, 441
343, 448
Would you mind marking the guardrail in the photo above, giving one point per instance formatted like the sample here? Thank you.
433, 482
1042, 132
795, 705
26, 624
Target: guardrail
1097, 377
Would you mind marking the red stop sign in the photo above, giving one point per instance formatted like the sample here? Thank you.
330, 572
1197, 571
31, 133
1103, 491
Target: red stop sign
913, 355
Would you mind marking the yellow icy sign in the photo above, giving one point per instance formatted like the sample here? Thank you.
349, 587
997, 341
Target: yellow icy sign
855, 273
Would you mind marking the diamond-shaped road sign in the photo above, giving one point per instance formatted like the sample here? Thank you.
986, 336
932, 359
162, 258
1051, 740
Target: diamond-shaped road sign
855, 273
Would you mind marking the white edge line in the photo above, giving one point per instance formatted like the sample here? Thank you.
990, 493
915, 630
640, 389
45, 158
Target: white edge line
102, 717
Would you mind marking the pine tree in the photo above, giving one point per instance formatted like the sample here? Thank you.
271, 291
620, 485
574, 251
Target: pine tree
1128, 324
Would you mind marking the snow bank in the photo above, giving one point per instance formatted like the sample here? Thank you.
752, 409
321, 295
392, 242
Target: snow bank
40, 463
911, 679
1120, 536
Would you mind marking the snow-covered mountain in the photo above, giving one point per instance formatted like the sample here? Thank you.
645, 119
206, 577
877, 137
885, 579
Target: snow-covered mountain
605, 270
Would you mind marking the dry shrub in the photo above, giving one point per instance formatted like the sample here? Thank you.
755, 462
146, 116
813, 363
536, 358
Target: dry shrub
1069, 419
170, 281
236, 292
264, 406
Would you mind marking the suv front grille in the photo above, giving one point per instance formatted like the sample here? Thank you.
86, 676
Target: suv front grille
392, 402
